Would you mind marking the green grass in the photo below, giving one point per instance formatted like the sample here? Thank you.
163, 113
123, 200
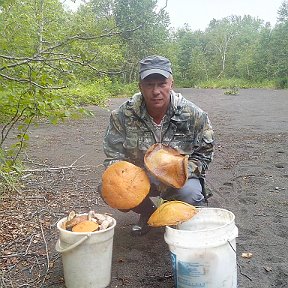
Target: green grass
236, 83
281, 83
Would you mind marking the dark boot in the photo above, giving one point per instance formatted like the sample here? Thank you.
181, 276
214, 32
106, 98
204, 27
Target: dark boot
145, 209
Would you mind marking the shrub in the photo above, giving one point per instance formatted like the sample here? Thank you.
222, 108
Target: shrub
281, 83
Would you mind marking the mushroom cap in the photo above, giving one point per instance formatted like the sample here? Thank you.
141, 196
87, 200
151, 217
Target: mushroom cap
167, 165
124, 185
86, 226
171, 213
75, 220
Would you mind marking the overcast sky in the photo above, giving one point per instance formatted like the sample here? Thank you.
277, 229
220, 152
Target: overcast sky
198, 13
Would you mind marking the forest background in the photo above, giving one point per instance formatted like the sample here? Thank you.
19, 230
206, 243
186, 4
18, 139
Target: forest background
54, 62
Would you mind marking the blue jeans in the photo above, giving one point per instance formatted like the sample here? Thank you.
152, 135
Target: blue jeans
190, 193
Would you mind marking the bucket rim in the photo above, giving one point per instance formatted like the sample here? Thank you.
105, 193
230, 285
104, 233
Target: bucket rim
59, 223
231, 221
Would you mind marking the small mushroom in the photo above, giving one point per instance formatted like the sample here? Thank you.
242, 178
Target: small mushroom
247, 255
106, 223
76, 220
71, 215
85, 226
100, 217
90, 222
90, 215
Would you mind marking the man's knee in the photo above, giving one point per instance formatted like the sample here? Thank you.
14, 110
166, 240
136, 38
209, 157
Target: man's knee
190, 193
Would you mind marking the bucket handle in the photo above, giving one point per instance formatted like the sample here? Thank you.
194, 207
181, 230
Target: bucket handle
63, 250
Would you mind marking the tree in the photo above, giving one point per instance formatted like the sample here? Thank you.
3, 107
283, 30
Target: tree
41, 60
221, 34
191, 60
243, 47
144, 31
279, 51
26, 64
280, 56
184, 52
283, 12
57, 47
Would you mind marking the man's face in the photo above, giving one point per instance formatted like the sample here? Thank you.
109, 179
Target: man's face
156, 91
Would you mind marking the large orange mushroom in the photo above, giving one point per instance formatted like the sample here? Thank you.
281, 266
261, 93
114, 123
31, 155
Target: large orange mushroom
167, 165
172, 213
124, 185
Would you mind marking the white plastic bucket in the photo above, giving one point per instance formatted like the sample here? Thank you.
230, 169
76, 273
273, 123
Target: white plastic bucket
86, 257
203, 250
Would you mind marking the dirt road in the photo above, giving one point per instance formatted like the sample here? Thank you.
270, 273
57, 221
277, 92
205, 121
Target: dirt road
249, 177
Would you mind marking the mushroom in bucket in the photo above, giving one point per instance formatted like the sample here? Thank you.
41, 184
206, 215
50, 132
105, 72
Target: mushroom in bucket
90, 222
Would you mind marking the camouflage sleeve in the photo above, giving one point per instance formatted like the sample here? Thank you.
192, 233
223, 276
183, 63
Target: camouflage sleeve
203, 153
114, 139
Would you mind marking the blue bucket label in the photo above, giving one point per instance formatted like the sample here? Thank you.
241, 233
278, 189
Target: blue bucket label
173, 259
188, 275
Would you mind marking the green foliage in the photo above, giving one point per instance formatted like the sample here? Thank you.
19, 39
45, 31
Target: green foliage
234, 47
88, 93
37, 64
8, 181
281, 83
283, 12
22, 107
230, 83
232, 91
143, 31
9, 170
98, 92
118, 89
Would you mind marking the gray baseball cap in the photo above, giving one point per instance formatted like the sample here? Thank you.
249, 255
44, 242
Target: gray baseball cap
155, 65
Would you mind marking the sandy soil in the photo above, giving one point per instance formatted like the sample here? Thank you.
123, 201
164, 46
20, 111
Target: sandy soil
249, 177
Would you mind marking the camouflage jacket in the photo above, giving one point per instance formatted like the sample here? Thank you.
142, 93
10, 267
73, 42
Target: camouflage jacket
186, 127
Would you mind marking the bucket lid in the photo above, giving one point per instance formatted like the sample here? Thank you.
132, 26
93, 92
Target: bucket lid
167, 164
124, 185
172, 213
